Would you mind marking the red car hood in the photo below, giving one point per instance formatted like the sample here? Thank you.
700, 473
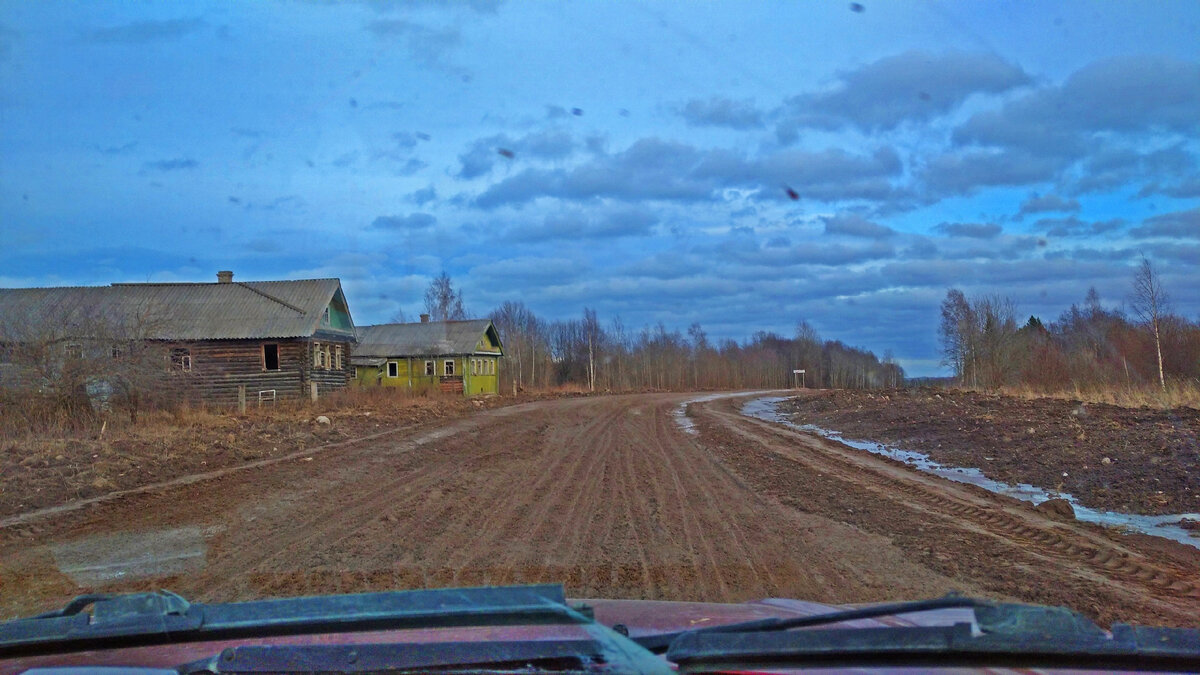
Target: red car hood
636, 617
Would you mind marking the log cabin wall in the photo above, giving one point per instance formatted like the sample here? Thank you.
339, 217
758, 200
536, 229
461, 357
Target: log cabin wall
218, 367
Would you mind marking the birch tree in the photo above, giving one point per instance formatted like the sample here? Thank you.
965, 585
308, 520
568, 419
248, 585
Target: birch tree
1150, 303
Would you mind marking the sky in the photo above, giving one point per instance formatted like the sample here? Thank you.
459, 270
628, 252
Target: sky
744, 165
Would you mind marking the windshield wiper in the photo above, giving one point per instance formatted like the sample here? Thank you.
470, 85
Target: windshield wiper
660, 642
1002, 635
156, 618
542, 655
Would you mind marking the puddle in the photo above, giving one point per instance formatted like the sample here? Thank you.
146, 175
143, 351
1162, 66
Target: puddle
1159, 526
686, 423
119, 556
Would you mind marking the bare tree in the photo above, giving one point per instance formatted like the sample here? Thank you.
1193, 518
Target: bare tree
957, 334
1150, 303
443, 301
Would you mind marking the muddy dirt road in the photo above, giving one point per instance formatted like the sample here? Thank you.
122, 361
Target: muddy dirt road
607, 495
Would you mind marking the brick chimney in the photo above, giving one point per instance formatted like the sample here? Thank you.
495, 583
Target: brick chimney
225, 277
424, 318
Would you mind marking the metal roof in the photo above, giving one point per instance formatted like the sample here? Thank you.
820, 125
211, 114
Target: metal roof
422, 339
182, 311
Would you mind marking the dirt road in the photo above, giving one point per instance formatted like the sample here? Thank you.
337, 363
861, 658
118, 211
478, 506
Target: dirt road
609, 496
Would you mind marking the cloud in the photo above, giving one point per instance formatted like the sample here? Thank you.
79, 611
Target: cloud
1180, 224
962, 173
171, 164
578, 225
969, 230
413, 221
426, 45
652, 168
423, 196
856, 226
912, 86
117, 149
482, 155
719, 111
1050, 202
144, 32
1074, 227
530, 270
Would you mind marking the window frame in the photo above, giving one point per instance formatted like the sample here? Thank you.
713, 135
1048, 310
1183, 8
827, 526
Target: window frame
318, 357
430, 368
337, 357
180, 359
393, 369
448, 368
265, 364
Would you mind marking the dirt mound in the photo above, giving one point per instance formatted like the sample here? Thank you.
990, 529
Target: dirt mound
1133, 460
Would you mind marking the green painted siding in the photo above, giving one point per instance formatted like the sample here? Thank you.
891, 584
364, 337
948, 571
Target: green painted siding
480, 373
337, 315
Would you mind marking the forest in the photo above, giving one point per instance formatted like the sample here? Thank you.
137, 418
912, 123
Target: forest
1088, 348
595, 354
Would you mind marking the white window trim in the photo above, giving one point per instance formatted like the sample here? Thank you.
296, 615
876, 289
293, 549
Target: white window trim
393, 369
430, 368
448, 367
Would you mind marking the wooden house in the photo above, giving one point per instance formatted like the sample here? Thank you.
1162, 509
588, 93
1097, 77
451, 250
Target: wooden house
276, 338
453, 356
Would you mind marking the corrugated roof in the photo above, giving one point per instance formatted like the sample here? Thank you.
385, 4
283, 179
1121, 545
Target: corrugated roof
189, 311
421, 339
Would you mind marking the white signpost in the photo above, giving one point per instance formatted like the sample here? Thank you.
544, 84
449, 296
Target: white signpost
799, 380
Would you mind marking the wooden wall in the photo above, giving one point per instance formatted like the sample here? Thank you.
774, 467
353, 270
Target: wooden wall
220, 366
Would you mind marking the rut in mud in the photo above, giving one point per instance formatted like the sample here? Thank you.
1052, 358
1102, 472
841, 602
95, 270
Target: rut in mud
610, 497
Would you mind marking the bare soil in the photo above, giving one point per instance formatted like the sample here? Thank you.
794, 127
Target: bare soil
1131, 460
609, 496
38, 472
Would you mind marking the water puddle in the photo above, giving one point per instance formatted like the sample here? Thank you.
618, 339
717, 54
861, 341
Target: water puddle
118, 556
1159, 526
686, 423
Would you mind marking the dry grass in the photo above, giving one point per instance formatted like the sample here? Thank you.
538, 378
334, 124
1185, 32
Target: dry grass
84, 458
1178, 394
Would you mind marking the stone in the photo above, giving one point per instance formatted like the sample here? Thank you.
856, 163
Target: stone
321, 419
1057, 508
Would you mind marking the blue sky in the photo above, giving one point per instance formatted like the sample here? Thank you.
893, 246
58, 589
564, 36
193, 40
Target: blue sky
744, 165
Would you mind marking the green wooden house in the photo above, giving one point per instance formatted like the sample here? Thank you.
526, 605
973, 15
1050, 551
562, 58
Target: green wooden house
453, 356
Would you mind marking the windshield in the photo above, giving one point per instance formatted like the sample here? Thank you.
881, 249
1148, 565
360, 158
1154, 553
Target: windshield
840, 302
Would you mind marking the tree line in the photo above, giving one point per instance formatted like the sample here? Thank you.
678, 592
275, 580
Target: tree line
1088, 346
609, 356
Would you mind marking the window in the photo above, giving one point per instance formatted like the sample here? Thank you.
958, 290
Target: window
393, 369
325, 317
74, 350
429, 367
270, 357
318, 355
115, 352
181, 359
356, 375
449, 366
337, 357
474, 366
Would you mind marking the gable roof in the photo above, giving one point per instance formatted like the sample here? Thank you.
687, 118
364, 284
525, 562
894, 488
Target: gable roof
184, 311
423, 339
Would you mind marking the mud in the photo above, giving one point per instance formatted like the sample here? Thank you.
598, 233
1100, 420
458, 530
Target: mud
1130, 460
609, 496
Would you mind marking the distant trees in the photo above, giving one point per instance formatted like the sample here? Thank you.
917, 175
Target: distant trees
1088, 346
606, 356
